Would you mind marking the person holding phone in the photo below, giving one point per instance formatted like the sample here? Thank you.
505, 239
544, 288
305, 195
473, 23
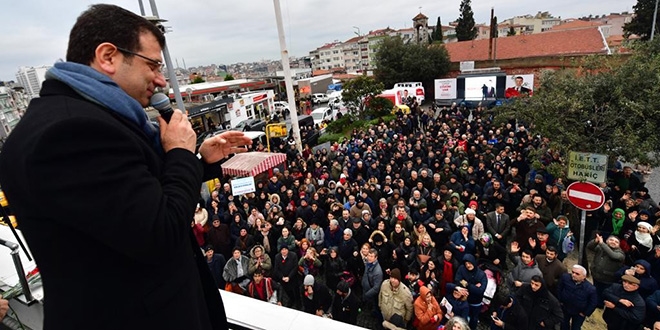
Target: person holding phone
509, 315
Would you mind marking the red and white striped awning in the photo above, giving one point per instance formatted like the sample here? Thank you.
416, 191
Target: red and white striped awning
252, 163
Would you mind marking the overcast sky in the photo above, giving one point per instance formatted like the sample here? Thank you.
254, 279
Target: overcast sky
35, 32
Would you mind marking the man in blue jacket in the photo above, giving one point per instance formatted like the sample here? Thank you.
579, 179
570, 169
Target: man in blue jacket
371, 280
578, 297
475, 280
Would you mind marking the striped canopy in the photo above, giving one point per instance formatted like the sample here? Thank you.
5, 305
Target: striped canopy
251, 163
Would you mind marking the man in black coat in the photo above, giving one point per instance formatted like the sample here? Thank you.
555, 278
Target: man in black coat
90, 147
624, 306
345, 304
285, 272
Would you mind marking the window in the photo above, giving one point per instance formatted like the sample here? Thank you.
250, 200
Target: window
248, 111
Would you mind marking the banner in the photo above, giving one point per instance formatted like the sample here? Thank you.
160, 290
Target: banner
445, 89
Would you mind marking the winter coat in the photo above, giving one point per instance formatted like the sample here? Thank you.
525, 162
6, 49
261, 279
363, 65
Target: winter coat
576, 298
622, 317
540, 306
521, 272
551, 271
476, 280
514, 317
399, 301
372, 280
476, 227
423, 314
230, 273
606, 262
648, 284
265, 264
459, 307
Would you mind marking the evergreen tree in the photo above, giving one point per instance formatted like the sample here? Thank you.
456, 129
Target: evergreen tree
642, 21
512, 32
466, 29
437, 34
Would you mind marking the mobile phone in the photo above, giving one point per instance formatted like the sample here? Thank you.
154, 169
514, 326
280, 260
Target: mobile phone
495, 318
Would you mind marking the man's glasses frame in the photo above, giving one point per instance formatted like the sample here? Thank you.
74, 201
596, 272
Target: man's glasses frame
155, 65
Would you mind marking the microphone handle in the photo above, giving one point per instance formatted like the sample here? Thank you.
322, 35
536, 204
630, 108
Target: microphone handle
166, 114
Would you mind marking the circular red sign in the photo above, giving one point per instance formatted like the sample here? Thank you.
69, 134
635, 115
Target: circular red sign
585, 196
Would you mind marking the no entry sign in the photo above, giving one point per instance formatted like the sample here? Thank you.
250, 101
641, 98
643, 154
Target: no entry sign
585, 196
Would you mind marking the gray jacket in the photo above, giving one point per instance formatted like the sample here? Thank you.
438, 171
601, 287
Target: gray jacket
521, 272
230, 273
606, 261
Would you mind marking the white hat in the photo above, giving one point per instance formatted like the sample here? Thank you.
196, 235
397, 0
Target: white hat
470, 211
645, 225
309, 280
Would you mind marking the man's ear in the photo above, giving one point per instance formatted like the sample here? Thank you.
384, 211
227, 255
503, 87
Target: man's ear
106, 58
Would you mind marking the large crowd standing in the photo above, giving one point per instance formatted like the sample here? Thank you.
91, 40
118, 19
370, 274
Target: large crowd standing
434, 219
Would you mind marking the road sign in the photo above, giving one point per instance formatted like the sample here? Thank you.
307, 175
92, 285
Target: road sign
585, 196
587, 166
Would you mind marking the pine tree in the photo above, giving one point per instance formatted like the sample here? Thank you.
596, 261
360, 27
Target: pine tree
642, 21
512, 32
437, 34
466, 29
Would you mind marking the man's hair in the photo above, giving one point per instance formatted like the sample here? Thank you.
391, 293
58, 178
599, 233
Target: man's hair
551, 248
108, 23
537, 279
527, 252
374, 252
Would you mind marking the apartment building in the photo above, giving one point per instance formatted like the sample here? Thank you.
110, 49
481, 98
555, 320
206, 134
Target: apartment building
31, 79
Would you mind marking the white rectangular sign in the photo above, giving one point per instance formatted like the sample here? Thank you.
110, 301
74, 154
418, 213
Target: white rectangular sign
242, 186
445, 89
587, 166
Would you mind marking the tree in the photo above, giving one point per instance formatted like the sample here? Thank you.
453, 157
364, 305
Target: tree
197, 80
466, 29
607, 106
437, 34
396, 62
229, 77
642, 20
358, 91
512, 32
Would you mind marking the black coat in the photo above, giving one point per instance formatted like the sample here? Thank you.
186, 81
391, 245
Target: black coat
540, 306
122, 207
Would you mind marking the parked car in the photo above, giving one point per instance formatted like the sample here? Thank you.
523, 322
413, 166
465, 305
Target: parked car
250, 125
320, 98
281, 105
321, 114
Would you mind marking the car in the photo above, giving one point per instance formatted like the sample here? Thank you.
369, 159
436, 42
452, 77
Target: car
320, 98
250, 125
321, 114
281, 105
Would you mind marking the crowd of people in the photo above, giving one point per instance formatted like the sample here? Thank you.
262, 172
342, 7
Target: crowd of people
436, 216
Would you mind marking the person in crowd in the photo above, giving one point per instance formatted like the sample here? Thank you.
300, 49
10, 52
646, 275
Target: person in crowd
259, 260
641, 241
498, 224
524, 268
428, 313
641, 269
372, 278
439, 228
558, 231
236, 272
264, 288
509, 315
608, 258
395, 302
472, 278
551, 267
216, 264
316, 297
457, 297
526, 225
285, 272
624, 307
577, 296
469, 219
491, 252
542, 308
462, 243
345, 305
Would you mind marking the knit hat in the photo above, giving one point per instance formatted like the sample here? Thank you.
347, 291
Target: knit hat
473, 202
645, 225
395, 273
309, 280
470, 211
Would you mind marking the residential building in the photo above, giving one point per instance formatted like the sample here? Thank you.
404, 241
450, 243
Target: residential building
13, 103
31, 79
352, 56
538, 23
328, 56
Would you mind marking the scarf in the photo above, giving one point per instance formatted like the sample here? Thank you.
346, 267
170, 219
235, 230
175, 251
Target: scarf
644, 239
617, 224
102, 90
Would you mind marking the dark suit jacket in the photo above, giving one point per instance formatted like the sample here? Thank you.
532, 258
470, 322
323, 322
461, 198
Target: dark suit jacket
491, 224
107, 219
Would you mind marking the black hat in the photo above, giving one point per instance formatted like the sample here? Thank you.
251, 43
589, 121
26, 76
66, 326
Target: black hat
343, 287
542, 230
357, 220
208, 248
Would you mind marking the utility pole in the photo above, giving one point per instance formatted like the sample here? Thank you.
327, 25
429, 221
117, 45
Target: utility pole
287, 76
655, 16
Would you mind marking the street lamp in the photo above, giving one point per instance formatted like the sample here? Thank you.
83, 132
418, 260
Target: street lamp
655, 16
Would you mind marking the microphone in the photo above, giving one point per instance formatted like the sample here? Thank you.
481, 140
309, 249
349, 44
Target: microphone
161, 103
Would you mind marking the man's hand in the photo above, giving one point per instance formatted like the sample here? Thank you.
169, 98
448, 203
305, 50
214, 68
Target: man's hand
517, 284
4, 307
515, 247
178, 133
532, 242
223, 145
626, 302
609, 304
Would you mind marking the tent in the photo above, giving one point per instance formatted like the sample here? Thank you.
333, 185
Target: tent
252, 163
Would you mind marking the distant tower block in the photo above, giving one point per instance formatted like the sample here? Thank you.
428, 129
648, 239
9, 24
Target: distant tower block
421, 26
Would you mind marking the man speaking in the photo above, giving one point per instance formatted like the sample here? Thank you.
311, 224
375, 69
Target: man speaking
104, 199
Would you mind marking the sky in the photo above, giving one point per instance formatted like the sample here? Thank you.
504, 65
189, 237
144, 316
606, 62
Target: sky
35, 32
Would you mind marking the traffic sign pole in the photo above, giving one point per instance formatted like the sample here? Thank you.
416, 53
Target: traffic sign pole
583, 224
